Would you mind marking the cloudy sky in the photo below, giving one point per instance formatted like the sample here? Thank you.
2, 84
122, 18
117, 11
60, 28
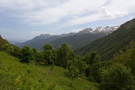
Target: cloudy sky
24, 19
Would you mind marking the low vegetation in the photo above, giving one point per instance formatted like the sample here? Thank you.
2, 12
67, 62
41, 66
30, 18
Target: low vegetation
15, 75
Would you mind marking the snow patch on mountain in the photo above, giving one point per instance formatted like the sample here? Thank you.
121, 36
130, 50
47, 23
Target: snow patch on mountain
106, 30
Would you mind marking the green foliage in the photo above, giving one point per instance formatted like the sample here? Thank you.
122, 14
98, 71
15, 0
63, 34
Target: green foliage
126, 56
81, 66
39, 57
16, 51
11, 49
117, 77
94, 65
92, 58
72, 71
63, 54
26, 54
48, 54
2, 42
34, 52
8, 48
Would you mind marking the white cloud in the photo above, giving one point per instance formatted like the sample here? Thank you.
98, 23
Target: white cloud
73, 12
101, 14
77, 30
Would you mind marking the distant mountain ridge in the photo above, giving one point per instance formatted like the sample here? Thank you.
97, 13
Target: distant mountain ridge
38, 41
83, 37
35, 39
75, 40
107, 46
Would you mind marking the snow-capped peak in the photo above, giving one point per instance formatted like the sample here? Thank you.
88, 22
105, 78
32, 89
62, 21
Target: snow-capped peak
106, 29
85, 31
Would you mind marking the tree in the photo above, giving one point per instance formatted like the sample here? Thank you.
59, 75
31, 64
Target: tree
48, 54
72, 71
81, 65
126, 56
34, 52
26, 54
117, 77
8, 48
11, 49
63, 54
132, 61
92, 58
39, 57
16, 52
93, 69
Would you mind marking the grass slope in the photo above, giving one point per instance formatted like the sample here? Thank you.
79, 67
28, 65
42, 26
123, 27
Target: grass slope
2, 42
107, 46
18, 76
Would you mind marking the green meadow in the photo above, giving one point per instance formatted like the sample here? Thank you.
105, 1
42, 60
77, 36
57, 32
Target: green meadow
15, 75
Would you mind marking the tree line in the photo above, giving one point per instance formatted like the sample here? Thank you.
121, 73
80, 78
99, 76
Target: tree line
115, 74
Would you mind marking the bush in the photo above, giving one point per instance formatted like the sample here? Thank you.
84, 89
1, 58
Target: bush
117, 77
26, 54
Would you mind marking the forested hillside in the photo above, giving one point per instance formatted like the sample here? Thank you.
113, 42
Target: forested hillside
109, 45
77, 41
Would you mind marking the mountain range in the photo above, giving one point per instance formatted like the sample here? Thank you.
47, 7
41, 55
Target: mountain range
74, 40
107, 46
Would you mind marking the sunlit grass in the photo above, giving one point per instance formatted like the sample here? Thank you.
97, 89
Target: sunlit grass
19, 76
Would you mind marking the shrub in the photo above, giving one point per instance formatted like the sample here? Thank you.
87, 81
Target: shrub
117, 77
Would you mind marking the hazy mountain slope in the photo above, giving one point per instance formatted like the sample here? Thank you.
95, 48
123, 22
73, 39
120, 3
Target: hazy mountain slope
32, 41
84, 37
77, 41
40, 43
110, 44
42, 39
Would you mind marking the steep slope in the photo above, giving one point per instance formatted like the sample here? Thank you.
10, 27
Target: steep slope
18, 76
110, 44
78, 40
84, 37
2, 42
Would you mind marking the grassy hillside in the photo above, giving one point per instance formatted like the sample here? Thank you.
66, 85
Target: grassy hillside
18, 76
107, 46
2, 42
